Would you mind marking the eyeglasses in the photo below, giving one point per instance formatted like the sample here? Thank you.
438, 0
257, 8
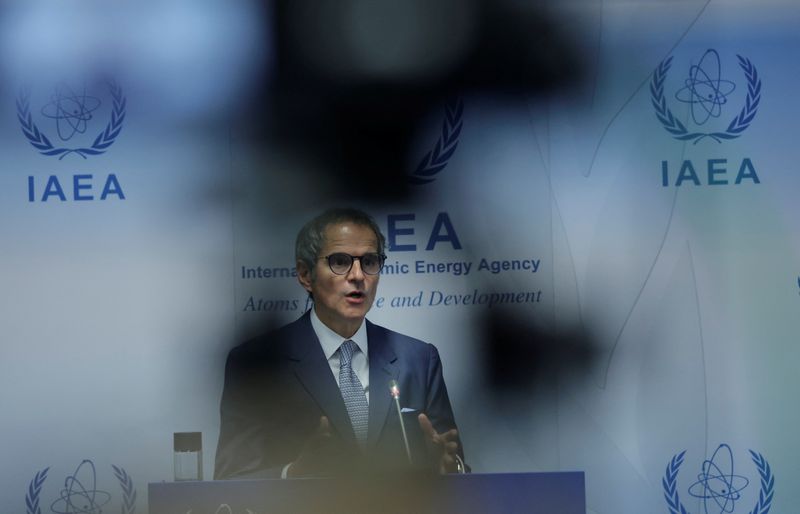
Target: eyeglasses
342, 263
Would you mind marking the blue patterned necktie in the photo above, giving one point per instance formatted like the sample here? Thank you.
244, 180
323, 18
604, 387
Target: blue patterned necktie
353, 392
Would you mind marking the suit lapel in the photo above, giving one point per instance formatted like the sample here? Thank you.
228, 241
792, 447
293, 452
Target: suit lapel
313, 371
382, 370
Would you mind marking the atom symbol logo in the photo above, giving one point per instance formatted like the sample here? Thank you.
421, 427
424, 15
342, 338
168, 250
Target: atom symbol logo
71, 111
704, 90
718, 482
80, 493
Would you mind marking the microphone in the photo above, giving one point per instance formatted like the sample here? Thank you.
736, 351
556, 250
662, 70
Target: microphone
394, 390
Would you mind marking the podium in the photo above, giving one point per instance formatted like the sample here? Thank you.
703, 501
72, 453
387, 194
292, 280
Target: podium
500, 493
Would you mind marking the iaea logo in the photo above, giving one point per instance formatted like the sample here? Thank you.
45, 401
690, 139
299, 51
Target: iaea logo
706, 91
70, 113
718, 486
80, 493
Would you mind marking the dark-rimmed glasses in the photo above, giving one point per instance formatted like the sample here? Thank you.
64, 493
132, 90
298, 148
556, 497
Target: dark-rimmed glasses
342, 263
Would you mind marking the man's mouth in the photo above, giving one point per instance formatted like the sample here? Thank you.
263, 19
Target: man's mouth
356, 295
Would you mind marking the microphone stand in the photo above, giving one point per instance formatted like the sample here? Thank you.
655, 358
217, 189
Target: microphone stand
395, 392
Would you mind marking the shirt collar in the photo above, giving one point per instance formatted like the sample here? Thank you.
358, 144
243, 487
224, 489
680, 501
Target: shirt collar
331, 341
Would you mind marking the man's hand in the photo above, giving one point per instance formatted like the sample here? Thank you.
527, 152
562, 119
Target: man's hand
443, 446
316, 456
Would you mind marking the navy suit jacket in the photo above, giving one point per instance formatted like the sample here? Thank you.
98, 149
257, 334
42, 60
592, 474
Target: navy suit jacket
278, 385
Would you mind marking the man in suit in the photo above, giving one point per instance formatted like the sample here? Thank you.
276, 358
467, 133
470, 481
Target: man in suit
313, 397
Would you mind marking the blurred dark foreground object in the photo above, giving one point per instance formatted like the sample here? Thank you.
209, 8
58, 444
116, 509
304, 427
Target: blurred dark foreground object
518, 354
354, 78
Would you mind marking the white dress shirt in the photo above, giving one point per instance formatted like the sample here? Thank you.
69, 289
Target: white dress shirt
331, 341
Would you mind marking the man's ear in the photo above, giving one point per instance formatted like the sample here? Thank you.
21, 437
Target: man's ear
304, 275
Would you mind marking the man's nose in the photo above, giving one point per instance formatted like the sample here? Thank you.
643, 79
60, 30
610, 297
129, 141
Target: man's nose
356, 273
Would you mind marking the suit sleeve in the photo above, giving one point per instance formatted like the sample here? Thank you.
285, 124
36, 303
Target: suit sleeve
437, 404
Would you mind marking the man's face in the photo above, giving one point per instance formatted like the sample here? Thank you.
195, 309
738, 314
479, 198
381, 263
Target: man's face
342, 301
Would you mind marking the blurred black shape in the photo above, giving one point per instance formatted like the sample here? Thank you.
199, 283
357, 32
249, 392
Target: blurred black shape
353, 78
518, 355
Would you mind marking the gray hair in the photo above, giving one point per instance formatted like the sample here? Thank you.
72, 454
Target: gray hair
311, 237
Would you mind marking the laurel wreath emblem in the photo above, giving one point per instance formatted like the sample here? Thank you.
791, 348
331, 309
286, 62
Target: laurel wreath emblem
437, 158
128, 492
125, 482
105, 139
34, 489
669, 484
735, 128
